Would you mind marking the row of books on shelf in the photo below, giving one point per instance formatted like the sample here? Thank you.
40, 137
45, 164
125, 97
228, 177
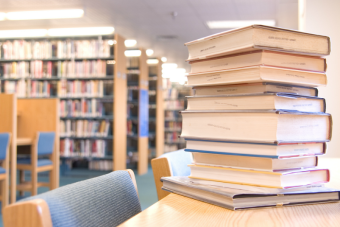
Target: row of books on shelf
85, 128
49, 69
132, 128
175, 125
22, 49
74, 88
101, 165
172, 137
85, 108
172, 115
85, 148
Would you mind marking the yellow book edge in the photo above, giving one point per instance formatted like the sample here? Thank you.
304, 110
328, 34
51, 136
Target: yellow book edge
235, 169
232, 182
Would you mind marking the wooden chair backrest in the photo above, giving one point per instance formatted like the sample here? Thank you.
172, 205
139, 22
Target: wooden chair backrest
160, 168
35, 213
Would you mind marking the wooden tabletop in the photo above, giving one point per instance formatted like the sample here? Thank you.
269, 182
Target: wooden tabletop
24, 141
175, 210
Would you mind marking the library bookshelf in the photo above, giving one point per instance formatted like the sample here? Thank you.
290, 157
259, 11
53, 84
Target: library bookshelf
156, 111
138, 111
88, 75
174, 101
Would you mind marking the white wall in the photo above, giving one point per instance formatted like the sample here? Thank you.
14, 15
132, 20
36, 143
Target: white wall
323, 17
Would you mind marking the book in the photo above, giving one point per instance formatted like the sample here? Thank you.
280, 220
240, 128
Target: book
258, 74
236, 197
258, 37
279, 179
254, 88
260, 57
278, 150
254, 163
268, 101
256, 126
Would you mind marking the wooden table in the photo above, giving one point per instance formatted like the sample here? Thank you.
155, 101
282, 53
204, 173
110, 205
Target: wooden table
176, 210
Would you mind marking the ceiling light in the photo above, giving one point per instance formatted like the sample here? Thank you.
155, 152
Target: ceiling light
130, 42
152, 61
2, 16
23, 33
45, 14
238, 23
149, 52
164, 59
132, 53
80, 31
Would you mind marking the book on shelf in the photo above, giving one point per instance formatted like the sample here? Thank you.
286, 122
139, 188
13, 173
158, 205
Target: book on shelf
254, 88
267, 101
101, 165
85, 128
272, 150
258, 74
237, 197
261, 37
85, 108
278, 179
254, 163
256, 126
260, 57
27, 49
85, 148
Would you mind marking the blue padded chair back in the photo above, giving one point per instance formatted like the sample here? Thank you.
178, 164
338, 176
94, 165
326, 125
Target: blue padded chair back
108, 200
4, 142
179, 161
45, 143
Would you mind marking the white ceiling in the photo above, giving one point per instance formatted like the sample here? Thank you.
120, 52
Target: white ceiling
151, 22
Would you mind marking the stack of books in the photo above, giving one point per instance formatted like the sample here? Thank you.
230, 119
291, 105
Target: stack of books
255, 125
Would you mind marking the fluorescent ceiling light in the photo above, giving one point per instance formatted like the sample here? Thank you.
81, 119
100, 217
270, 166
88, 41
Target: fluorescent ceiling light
152, 61
80, 31
238, 23
130, 42
45, 14
164, 59
132, 53
2, 16
149, 52
23, 33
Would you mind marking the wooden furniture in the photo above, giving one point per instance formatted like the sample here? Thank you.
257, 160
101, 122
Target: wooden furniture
176, 210
43, 146
173, 163
37, 213
23, 118
5, 139
139, 108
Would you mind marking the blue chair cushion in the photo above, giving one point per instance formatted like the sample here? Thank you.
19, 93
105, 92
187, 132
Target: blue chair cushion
41, 162
104, 201
179, 161
2, 170
4, 141
45, 143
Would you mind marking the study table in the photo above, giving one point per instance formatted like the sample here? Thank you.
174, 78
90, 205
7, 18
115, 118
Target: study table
176, 210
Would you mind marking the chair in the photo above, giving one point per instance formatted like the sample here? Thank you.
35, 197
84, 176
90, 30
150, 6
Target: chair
108, 200
43, 145
170, 164
4, 167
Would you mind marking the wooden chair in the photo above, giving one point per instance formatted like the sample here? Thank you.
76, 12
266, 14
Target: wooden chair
4, 167
108, 200
170, 164
43, 146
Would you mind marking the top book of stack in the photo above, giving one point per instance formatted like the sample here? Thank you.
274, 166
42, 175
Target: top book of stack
258, 37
